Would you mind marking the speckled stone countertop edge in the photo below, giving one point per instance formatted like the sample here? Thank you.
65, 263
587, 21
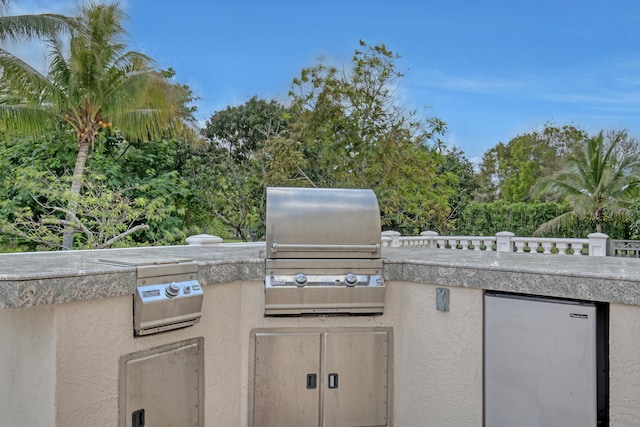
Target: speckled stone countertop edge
604, 279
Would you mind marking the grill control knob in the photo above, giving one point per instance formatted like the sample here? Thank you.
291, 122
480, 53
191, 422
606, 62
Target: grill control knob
350, 279
300, 280
172, 289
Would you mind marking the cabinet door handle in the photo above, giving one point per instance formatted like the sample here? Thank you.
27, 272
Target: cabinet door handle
333, 380
137, 418
312, 381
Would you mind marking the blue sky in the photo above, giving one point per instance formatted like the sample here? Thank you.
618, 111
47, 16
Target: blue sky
491, 69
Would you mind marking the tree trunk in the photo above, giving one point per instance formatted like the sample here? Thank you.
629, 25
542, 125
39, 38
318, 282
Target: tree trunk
599, 219
76, 185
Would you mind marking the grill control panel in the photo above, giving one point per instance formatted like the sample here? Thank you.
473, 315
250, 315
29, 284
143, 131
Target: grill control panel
301, 280
323, 286
164, 306
289, 293
160, 292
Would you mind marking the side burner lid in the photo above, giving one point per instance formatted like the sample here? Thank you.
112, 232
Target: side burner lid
138, 261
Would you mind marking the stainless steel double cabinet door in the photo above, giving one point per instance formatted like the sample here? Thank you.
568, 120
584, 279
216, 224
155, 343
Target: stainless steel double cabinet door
321, 378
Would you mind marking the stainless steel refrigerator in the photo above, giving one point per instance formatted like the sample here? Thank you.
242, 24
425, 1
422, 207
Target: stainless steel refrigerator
544, 362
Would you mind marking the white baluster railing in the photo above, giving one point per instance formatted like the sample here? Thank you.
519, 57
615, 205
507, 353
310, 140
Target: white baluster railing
504, 241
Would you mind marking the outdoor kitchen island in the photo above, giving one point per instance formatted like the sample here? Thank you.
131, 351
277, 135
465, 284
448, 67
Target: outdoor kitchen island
66, 328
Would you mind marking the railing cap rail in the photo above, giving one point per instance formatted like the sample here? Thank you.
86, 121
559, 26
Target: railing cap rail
550, 239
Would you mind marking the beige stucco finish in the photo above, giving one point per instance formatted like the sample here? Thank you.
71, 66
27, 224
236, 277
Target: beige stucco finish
89, 352
624, 365
60, 362
440, 357
27, 366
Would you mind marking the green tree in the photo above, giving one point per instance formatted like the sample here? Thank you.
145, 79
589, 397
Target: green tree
465, 186
509, 171
230, 175
486, 219
151, 175
350, 131
109, 216
53, 154
598, 181
634, 213
92, 85
145, 176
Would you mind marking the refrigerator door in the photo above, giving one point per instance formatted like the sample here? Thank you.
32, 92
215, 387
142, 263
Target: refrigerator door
539, 362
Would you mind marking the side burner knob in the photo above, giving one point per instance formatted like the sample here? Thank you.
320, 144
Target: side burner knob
172, 289
300, 280
350, 279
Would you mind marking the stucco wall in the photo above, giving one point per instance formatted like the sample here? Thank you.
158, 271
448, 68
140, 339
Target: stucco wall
93, 335
624, 365
61, 361
437, 355
441, 357
27, 366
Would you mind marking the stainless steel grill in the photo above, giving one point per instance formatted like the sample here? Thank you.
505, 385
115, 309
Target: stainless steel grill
323, 252
168, 295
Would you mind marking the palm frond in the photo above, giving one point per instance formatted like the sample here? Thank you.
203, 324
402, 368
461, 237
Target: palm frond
30, 101
25, 120
27, 27
92, 79
596, 180
566, 219
19, 75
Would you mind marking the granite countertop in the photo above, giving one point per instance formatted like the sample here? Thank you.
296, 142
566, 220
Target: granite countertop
30, 279
605, 279
39, 278
570, 265
40, 265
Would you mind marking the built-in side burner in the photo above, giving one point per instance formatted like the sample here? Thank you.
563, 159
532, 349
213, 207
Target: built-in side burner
168, 295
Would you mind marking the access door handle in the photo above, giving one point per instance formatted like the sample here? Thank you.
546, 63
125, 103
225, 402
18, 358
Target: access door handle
333, 380
137, 418
312, 381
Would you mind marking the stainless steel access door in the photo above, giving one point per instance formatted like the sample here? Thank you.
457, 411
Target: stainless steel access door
356, 375
163, 386
321, 378
287, 380
539, 362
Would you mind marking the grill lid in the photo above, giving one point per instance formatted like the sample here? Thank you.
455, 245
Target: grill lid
325, 223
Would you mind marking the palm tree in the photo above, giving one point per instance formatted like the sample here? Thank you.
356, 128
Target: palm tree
596, 180
92, 85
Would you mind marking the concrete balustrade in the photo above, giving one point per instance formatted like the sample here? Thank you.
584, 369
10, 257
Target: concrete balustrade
505, 241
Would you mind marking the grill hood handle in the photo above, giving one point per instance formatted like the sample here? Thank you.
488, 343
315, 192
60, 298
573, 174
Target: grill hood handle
288, 247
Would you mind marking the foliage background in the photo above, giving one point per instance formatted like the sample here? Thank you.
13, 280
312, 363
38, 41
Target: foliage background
341, 127
522, 219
